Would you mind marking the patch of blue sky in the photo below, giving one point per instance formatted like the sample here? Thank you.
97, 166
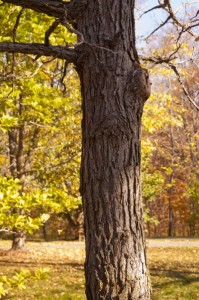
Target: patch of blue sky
150, 21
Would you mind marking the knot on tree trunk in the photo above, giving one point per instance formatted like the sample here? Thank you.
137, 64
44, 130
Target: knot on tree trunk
140, 83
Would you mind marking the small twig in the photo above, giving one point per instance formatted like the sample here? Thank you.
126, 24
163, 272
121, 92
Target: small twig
161, 25
153, 8
72, 30
166, 6
161, 60
195, 63
173, 67
169, 10
48, 61
63, 76
195, 15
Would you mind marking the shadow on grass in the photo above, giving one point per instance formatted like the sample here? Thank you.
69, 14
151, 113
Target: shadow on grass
29, 263
174, 277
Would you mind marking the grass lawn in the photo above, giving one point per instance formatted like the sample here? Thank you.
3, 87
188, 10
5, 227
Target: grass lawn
174, 271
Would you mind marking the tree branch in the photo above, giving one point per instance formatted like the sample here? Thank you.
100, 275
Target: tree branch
79, 34
168, 61
156, 60
149, 10
6, 230
161, 25
175, 70
53, 8
39, 49
166, 6
50, 31
14, 32
184, 27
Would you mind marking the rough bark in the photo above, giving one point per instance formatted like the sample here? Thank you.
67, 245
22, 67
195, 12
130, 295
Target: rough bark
114, 89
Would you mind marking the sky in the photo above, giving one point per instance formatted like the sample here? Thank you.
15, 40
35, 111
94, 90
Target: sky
150, 21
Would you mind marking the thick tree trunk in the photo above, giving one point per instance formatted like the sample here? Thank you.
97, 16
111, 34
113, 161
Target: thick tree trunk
18, 241
114, 89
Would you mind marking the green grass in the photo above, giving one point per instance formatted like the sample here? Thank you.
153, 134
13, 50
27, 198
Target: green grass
174, 271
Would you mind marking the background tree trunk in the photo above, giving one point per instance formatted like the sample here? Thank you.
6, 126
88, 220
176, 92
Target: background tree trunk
44, 230
16, 138
18, 241
114, 89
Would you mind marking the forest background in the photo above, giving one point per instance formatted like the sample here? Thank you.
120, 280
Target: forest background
40, 146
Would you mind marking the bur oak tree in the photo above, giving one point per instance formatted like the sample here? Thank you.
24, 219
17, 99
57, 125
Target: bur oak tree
114, 89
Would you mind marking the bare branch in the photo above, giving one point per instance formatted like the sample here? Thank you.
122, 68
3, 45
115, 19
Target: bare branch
169, 9
175, 70
168, 61
191, 26
153, 8
70, 29
161, 5
53, 8
14, 32
160, 59
50, 30
39, 49
161, 25
166, 6
157, 60
195, 15
63, 76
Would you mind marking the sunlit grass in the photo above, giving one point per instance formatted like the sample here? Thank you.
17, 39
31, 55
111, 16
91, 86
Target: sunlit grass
174, 271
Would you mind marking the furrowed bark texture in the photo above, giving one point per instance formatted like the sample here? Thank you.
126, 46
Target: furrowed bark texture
114, 89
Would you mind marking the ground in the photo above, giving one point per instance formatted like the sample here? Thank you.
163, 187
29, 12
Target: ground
174, 268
